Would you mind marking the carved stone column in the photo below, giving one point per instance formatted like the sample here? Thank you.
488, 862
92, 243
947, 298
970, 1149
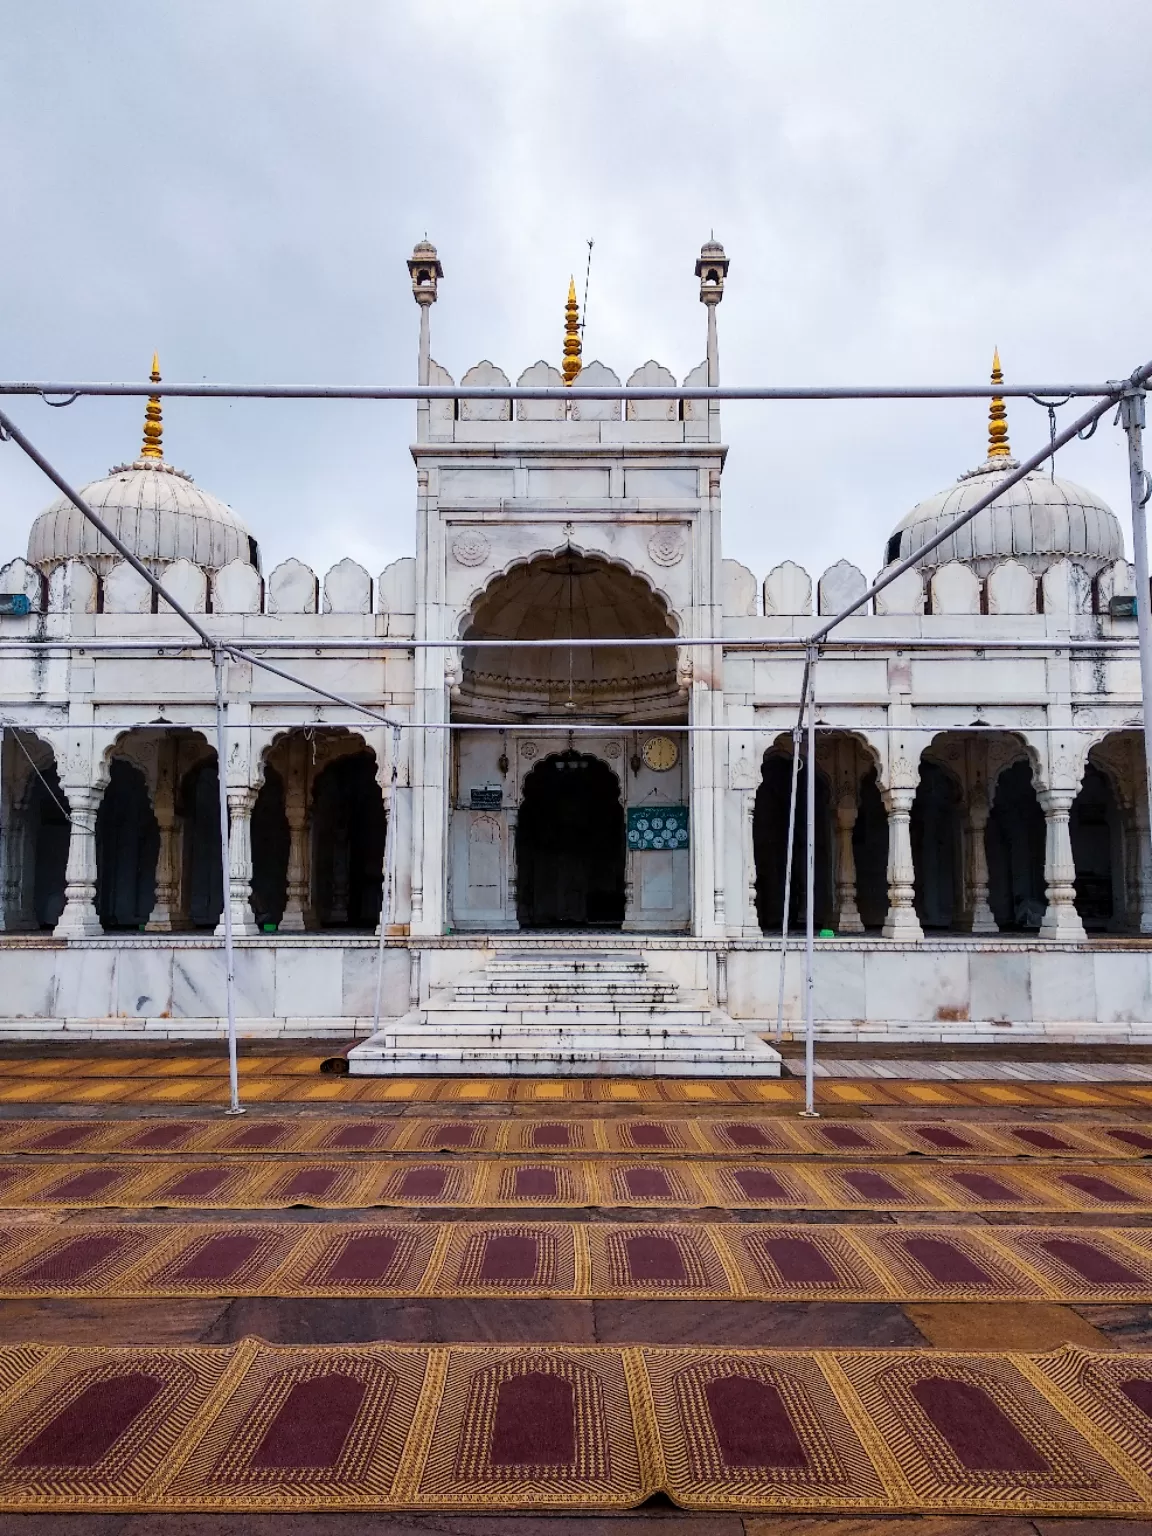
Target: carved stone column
1061, 920
982, 919
901, 922
166, 916
167, 913
848, 918
298, 914
78, 919
239, 891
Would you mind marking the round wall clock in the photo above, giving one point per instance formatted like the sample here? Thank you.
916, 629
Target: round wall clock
661, 753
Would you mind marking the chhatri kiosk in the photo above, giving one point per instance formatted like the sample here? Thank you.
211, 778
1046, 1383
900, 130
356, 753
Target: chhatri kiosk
588, 843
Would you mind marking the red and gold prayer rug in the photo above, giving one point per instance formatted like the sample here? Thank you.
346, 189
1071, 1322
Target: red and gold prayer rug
716, 1135
613, 1181
163, 1079
253, 1427
729, 1261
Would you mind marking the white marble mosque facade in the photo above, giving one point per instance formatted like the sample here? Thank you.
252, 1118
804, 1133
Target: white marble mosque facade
983, 846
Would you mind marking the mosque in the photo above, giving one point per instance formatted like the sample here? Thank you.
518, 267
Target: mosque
588, 843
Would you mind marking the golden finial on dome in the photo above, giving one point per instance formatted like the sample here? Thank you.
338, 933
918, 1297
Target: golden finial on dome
153, 425
998, 416
571, 365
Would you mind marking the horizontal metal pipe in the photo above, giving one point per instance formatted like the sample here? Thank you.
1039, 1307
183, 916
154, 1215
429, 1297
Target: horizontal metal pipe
568, 727
555, 391
176, 648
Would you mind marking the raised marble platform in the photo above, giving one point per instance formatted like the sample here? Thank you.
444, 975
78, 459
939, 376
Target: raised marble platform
947, 989
537, 1012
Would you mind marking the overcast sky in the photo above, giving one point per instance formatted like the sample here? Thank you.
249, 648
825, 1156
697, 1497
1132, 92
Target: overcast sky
899, 186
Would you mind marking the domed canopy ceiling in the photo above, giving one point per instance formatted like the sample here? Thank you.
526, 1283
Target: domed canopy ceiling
558, 597
1036, 521
155, 509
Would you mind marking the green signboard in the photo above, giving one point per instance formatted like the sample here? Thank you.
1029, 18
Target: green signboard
657, 826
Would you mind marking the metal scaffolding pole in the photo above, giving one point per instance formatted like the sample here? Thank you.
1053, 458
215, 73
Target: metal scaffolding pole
219, 661
1131, 417
810, 897
788, 847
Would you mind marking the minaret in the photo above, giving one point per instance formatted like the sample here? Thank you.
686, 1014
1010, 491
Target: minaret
153, 424
571, 365
712, 269
998, 416
425, 270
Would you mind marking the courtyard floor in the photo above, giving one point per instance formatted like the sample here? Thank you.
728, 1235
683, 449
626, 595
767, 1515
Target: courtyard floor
575, 1308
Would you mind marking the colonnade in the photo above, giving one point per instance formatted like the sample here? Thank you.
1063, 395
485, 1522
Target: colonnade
960, 839
139, 849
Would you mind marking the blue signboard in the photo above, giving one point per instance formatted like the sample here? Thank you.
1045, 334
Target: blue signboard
657, 826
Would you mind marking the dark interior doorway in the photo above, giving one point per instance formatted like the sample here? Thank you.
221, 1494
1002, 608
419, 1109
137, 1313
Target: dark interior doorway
770, 847
47, 809
570, 846
936, 847
199, 805
1015, 847
127, 846
348, 830
1094, 827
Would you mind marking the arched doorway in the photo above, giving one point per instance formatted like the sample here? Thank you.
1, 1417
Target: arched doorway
203, 882
870, 853
770, 846
936, 847
270, 848
1095, 828
1015, 847
570, 846
127, 845
348, 830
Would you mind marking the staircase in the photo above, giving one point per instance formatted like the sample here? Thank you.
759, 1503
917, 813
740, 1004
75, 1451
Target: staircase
575, 1013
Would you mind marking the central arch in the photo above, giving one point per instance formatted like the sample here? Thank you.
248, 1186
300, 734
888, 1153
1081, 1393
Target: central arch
570, 845
570, 595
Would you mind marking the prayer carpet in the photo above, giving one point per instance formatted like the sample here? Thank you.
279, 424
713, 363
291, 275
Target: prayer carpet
253, 1427
717, 1135
559, 1259
163, 1079
484, 1183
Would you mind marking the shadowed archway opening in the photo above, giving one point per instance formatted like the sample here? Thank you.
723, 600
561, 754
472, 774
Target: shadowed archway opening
348, 829
770, 846
570, 845
127, 846
270, 845
199, 807
1097, 849
936, 829
1015, 848
48, 819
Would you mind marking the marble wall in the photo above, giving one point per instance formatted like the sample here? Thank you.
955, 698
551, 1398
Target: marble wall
864, 989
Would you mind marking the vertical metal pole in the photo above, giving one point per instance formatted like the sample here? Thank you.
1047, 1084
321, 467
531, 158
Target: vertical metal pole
1132, 420
791, 843
389, 876
810, 914
218, 661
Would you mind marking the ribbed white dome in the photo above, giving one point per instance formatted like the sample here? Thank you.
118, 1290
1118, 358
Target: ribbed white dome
157, 511
1036, 522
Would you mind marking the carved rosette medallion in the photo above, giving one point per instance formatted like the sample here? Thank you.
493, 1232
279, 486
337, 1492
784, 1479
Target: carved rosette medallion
666, 547
470, 548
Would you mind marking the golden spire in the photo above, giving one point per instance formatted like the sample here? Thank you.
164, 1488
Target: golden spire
153, 426
998, 417
571, 364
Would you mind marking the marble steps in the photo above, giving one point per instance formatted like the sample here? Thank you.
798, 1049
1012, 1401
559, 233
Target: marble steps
717, 1046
